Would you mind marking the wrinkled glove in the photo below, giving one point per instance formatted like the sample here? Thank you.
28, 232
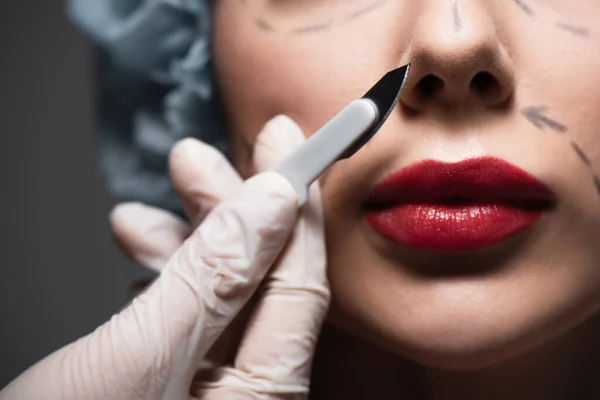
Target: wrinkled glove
153, 348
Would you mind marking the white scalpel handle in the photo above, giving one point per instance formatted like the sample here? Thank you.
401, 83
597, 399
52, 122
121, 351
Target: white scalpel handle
322, 149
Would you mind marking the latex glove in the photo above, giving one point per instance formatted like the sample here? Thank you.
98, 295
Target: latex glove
200, 290
150, 235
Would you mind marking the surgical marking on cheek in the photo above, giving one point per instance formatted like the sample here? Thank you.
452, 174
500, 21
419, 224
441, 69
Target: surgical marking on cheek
366, 10
524, 6
574, 29
263, 25
588, 163
311, 29
597, 183
581, 154
456, 16
536, 115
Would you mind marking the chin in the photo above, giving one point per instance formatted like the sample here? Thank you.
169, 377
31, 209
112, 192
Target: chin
455, 341
455, 322
454, 337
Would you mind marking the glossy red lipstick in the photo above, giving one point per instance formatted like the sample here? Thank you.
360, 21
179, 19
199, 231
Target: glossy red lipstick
457, 207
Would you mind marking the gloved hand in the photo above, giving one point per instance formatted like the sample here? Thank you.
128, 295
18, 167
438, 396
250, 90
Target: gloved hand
169, 329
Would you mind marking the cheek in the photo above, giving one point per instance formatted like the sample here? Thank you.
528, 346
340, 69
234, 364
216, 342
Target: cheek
308, 77
560, 69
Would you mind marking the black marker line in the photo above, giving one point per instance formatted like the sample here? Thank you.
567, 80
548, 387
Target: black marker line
263, 25
365, 10
576, 30
536, 116
311, 29
524, 6
597, 183
555, 126
581, 154
456, 16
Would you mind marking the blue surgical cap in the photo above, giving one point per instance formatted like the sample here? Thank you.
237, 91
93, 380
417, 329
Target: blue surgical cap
155, 87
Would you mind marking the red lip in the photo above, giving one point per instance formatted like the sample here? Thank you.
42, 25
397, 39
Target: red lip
457, 207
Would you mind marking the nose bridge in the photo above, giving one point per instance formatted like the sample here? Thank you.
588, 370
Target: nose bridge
454, 26
455, 47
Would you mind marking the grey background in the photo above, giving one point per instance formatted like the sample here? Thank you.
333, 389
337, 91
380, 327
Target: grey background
61, 273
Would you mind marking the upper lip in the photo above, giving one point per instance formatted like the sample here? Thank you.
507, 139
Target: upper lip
475, 180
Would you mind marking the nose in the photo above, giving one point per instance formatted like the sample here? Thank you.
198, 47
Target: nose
457, 59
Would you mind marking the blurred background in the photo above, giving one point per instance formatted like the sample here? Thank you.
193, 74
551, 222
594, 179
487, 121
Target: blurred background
62, 274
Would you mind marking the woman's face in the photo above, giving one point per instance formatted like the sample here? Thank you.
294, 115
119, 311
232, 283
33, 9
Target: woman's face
461, 282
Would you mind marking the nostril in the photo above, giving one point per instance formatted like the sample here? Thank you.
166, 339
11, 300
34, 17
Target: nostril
485, 84
428, 87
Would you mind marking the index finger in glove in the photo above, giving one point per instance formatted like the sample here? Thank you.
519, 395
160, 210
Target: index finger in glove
275, 356
201, 176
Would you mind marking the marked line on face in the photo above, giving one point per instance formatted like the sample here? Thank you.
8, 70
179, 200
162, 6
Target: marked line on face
456, 16
597, 183
524, 6
263, 25
581, 154
311, 29
574, 29
536, 115
365, 10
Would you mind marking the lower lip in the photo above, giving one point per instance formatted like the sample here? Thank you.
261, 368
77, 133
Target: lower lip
451, 227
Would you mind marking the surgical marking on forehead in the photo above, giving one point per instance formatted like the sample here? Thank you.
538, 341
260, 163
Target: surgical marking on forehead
524, 6
267, 26
537, 116
366, 10
574, 29
581, 154
456, 16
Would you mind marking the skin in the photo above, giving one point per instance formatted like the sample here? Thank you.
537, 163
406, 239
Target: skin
513, 321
